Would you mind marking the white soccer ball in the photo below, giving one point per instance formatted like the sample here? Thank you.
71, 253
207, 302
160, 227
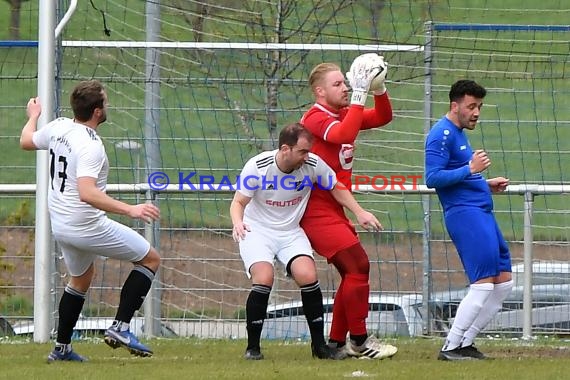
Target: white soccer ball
378, 81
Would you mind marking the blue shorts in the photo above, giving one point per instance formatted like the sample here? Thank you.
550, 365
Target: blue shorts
481, 246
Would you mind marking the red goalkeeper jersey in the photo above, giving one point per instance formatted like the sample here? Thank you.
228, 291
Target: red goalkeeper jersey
318, 119
323, 210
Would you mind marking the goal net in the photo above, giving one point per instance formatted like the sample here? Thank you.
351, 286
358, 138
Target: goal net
219, 102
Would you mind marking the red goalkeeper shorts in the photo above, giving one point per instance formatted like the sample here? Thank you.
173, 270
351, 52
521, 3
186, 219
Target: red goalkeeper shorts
328, 239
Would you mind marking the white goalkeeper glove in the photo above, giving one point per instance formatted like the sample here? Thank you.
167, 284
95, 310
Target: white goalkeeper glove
378, 84
362, 71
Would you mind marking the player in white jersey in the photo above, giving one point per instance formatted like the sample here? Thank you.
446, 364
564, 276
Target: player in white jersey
78, 205
273, 191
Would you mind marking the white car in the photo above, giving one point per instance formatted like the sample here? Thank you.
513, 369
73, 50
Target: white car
388, 315
401, 315
550, 301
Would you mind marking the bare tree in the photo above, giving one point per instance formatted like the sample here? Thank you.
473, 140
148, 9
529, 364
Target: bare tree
194, 14
14, 28
267, 22
376, 7
279, 66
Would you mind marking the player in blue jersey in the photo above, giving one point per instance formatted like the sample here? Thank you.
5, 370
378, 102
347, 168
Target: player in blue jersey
454, 170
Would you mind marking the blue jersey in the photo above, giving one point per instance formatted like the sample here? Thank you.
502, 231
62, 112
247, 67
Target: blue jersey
447, 156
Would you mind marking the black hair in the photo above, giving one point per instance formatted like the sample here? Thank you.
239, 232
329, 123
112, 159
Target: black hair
466, 87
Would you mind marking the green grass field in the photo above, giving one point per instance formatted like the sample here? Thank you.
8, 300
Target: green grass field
543, 359
524, 126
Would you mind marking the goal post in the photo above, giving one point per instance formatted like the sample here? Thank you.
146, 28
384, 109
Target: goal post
144, 91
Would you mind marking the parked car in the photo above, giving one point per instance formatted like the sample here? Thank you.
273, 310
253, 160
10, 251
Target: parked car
388, 315
401, 315
550, 300
91, 326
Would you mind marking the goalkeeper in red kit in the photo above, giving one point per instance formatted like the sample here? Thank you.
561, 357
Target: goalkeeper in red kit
335, 120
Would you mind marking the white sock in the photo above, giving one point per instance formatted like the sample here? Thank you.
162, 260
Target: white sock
63, 347
467, 312
490, 309
120, 326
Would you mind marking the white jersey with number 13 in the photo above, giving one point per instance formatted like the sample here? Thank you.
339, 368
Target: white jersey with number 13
75, 151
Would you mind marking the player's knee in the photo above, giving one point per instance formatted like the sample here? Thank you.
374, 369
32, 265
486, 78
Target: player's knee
302, 269
151, 260
262, 273
503, 289
262, 278
353, 260
303, 278
83, 282
364, 267
361, 267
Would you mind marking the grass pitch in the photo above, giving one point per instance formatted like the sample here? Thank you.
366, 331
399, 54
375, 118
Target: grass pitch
222, 359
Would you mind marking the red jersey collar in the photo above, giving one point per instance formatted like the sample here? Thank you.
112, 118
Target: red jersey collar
330, 111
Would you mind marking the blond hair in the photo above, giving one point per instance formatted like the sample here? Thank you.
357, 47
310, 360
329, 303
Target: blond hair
319, 72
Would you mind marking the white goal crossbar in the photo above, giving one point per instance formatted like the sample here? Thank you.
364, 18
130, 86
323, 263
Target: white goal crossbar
241, 46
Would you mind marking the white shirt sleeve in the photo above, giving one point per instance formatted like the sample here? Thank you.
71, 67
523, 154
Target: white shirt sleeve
249, 180
42, 136
90, 161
